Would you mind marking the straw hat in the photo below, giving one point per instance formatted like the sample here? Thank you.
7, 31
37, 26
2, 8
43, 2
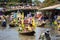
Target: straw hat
58, 17
39, 12
48, 30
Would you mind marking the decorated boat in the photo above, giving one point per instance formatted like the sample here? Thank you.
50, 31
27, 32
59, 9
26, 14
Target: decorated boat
28, 29
27, 26
13, 24
28, 33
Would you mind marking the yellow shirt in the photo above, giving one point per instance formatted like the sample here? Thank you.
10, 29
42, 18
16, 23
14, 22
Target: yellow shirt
59, 26
29, 28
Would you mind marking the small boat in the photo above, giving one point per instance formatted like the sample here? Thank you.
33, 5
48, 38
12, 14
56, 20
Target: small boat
27, 30
30, 33
42, 25
12, 25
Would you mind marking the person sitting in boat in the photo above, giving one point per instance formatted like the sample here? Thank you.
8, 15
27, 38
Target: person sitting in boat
19, 23
57, 22
39, 15
26, 21
59, 26
11, 18
3, 22
20, 29
12, 23
30, 27
26, 30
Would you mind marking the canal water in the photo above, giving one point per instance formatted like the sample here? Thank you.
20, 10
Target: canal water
12, 34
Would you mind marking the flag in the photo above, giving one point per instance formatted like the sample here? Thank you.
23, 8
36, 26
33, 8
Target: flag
22, 15
33, 22
22, 20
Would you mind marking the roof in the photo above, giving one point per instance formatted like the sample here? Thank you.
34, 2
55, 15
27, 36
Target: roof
22, 7
51, 7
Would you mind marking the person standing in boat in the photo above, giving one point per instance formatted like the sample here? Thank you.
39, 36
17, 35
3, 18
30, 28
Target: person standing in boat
45, 36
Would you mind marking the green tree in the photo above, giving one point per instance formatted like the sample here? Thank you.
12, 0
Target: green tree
37, 2
29, 1
49, 2
25, 1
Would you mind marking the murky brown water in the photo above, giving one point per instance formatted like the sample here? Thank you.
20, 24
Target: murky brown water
12, 34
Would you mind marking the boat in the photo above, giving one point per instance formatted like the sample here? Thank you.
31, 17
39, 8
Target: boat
42, 25
27, 27
12, 25
29, 33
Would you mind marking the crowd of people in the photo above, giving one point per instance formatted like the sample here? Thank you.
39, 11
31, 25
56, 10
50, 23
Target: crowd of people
39, 18
19, 19
29, 22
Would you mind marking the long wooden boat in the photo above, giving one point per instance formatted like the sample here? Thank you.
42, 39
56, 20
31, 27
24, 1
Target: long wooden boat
30, 33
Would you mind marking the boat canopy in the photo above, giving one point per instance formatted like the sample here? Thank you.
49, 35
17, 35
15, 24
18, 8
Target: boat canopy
57, 6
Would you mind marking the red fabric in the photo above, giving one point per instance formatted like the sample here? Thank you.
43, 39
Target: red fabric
25, 21
38, 15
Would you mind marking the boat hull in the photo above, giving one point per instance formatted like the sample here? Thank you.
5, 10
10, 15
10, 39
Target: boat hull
42, 25
28, 33
12, 25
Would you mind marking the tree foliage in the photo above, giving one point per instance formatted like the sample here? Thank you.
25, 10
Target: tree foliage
37, 2
49, 2
16, 1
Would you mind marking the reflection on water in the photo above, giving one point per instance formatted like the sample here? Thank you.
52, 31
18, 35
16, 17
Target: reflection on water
9, 35
39, 31
27, 37
12, 34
